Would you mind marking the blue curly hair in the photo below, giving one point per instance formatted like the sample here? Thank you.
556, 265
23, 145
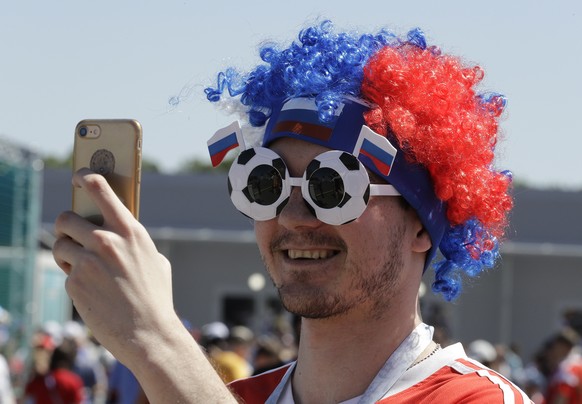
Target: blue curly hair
322, 64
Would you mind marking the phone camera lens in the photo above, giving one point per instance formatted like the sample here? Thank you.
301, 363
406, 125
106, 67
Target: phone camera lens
83, 131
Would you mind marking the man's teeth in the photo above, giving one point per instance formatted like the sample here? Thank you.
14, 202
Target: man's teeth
309, 254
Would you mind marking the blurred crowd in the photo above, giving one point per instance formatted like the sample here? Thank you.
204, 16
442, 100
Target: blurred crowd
63, 364
552, 376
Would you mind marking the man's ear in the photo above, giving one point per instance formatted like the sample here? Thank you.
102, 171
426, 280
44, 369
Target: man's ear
422, 242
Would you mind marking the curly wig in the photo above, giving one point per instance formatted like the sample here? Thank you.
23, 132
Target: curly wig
424, 100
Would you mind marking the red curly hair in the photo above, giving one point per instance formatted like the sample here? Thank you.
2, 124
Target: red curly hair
428, 102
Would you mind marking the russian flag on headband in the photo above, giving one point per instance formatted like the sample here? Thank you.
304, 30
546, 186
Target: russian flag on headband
377, 149
300, 116
223, 141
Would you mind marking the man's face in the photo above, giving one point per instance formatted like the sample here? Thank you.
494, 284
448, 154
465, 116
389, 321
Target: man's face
322, 270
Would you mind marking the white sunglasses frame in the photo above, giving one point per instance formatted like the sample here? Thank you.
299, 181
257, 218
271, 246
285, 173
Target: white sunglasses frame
341, 214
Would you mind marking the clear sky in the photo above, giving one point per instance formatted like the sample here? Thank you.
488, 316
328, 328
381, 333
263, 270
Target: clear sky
63, 61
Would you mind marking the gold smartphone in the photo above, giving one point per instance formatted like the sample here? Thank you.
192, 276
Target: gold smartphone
112, 148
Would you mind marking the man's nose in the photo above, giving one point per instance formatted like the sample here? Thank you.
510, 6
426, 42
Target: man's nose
297, 213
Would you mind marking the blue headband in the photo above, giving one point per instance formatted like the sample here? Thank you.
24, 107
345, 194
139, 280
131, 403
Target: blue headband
346, 130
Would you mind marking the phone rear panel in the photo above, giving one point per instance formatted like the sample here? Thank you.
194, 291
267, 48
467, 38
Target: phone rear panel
111, 148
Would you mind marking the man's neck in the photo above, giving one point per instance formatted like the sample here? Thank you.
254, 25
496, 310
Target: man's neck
339, 357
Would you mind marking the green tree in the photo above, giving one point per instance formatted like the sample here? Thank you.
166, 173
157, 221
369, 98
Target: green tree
51, 161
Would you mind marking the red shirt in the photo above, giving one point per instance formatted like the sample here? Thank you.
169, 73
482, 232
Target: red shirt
59, 384
446, 377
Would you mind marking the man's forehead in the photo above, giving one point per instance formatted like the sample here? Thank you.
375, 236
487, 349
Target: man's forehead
296, 153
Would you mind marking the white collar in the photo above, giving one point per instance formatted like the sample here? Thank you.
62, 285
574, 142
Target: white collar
389, 374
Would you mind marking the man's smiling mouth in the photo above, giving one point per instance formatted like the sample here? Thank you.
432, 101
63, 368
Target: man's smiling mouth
311, 254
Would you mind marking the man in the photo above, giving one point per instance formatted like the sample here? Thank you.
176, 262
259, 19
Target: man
373, 153
60, 384
564, 360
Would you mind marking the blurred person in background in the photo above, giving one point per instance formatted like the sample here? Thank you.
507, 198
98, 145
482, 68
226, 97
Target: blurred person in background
564, 361
42, 350
88, 363
511, 363
123, 387
269, 354
6, 390
484, 352
534, 377
213, 338
232, 361
60, 385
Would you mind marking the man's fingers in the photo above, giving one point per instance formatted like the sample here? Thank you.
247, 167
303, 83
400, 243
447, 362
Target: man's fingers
113, 210
66, 253
71, 225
